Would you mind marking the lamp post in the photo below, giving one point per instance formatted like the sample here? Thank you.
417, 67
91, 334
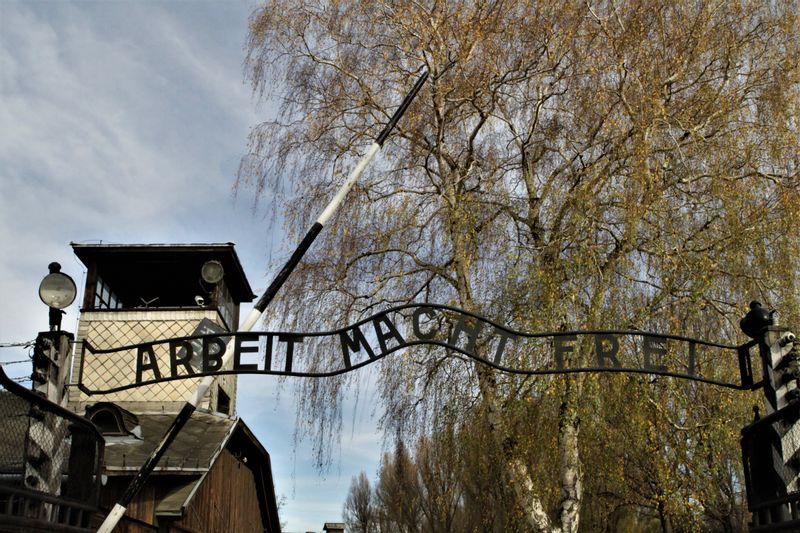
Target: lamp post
46, 436
57, 290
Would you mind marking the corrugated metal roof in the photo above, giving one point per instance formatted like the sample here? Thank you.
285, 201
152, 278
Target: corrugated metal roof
191, 454
192, 451
189, 458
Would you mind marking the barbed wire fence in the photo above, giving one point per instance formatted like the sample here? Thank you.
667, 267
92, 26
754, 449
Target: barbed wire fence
28, 345
25, 344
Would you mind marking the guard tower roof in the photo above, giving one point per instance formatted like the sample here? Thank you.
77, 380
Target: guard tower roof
173, 267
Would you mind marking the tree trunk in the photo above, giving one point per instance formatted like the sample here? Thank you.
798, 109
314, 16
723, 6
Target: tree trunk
571, 468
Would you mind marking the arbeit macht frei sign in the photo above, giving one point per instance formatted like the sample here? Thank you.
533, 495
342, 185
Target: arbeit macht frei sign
329, 353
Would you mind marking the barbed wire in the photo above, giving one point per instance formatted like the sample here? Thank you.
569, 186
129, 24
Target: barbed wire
26, 344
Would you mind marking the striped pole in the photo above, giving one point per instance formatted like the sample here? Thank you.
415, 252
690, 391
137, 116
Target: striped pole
779, 439
255, 314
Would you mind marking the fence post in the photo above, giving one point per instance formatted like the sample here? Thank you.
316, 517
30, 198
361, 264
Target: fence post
45, 440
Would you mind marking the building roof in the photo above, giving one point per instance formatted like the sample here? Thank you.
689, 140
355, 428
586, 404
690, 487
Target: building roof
128, 266
190, 456
177, 497
192, 451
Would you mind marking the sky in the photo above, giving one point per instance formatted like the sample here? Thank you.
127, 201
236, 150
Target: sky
124, 122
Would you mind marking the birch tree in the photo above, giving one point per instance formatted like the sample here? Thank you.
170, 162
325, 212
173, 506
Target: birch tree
570, 165
359, 508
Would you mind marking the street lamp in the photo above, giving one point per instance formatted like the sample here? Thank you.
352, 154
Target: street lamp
212, 272
57, 290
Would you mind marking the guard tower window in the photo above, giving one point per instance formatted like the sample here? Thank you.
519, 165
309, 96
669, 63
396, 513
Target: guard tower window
225, 305
104, 297
164, 277
223, 402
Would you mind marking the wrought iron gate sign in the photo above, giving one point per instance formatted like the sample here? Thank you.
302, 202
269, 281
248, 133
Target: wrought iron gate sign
335, 352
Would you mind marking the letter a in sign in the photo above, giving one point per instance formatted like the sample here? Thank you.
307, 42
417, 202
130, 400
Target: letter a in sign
146, 350
383, 336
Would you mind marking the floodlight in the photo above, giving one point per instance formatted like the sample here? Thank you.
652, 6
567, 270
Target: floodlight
57, 289
212, 271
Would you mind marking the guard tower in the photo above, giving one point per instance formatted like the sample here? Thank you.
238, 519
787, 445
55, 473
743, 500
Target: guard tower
145, 292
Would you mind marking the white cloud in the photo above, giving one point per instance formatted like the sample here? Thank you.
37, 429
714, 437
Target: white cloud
124, 121
122, 127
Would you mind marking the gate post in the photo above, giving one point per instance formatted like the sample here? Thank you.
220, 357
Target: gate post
45, 442
770, 445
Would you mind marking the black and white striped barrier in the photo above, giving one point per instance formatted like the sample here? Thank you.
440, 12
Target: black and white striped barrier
781, 372
253, 317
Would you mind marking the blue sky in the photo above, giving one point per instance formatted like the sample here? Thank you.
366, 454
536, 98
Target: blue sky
124, 122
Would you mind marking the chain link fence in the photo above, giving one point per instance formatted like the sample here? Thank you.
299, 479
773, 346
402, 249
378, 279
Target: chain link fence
50, 463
